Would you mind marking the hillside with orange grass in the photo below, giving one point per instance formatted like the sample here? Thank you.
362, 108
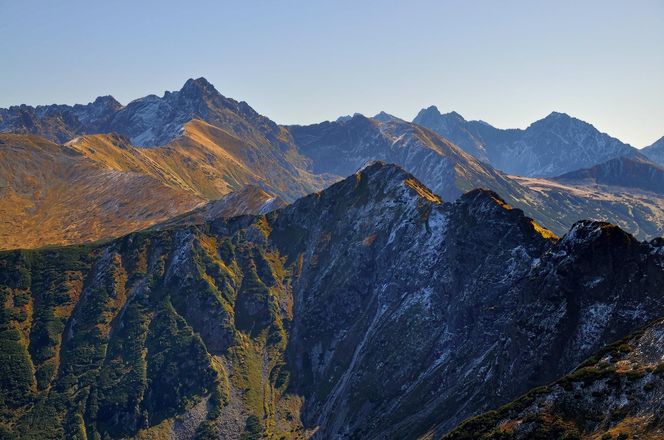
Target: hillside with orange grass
51, 194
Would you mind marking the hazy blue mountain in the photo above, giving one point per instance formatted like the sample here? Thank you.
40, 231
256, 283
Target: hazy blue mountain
340, 148
60, 123
549, 147
655, 152
627, 171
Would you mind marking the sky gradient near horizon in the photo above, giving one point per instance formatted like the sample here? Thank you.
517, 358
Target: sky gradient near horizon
506, 62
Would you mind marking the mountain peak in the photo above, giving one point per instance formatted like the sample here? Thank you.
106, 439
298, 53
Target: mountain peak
454, 115
557, 115
385, 117
484, 199
432, 116
382, 177
429, 113
108, 101
198, 87
555, 121
487, 206
380, 168
586, 233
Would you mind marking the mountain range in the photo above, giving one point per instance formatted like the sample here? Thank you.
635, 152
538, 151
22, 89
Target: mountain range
372, 309
183, 267
549, 147
195, 145
97, 186
340, 147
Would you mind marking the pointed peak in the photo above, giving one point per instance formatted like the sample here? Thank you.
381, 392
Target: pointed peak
455, 115
383, 178
374, 167
480, 195
558, 119
429, 112
198, 82
588, 231
431, 115
385, 117
558, 115
382, 175
107, 101
486, 205
355, 118
199, 86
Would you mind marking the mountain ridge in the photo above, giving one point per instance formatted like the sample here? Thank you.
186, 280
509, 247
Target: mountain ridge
553, 145
232, 146
346, 347
341, 147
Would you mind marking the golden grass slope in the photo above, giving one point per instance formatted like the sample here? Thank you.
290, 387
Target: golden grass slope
206, 161
100, 186
52, 194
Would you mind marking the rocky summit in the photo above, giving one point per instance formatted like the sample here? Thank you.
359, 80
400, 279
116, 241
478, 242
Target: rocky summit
372, 309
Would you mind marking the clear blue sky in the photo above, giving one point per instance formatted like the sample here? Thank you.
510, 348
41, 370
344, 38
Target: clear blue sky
506, 62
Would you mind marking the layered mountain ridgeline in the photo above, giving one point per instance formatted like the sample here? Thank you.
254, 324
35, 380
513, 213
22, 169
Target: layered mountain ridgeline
99, 187
210, 145
148, 121
635, 172
655, 152
60, 123
627, 190
617, 394
340, 148
343, 146
549, 147
207, 161
369, 310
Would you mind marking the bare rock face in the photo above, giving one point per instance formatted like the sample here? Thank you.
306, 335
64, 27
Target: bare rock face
372, 309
